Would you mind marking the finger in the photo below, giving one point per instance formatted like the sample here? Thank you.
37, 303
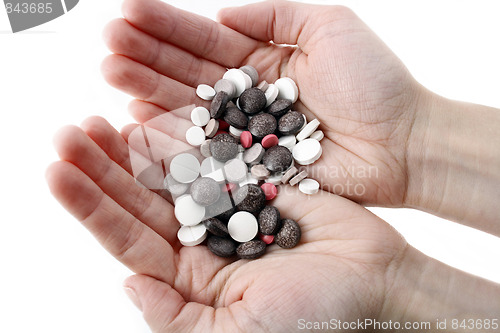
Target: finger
129, 240
122, 38
143, 111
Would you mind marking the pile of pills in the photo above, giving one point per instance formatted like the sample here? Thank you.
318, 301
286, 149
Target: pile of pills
250, 141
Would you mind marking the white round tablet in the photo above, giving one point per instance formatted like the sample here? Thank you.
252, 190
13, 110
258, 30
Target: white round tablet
235, 131
195, 136
309, 186
185, 168
307, 151
242, 227
308, 130
239, 78
235, 170
200, 116
287, 89
204, 91
187, 211
287, 141
318, 135
192, 236
212, 168
271, 93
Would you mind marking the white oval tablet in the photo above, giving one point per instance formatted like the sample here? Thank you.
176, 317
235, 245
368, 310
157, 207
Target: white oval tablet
204, 91
212, 168
188, 212
185, 168
242, 227
192, 236
288, 141
287, 89
195, 136
307, 151
239, 78
308, 130
271, 93
235, 131
318, 135
200, 116
309, 186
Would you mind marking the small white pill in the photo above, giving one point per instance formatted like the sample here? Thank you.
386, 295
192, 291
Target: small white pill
242, 227
192, 236
195, 136
240, 80
308, 130
309, 186
187, 211
318, 135
287, 89
307, 151
288, 141
200, 116
271, 93
212, 168
235, 131
185, 168
235, 170
204, 91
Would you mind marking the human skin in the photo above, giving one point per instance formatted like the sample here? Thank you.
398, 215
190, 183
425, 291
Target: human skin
350, 264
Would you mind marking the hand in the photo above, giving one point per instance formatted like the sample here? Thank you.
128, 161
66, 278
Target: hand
363, 95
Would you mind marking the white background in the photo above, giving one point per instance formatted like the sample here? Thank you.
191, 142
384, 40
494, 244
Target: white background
54, 277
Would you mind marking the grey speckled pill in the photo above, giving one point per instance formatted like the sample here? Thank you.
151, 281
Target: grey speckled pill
253, 155
301, 176
289, 234
251, 250
174, 187
216, 227
236, 118
262, 124
222, 247
252, 72
250, 198
291, 123
279, 107
252, 100
269, 220
218, 106
224, 147
205, 191
225, 86
223, 209
277, 159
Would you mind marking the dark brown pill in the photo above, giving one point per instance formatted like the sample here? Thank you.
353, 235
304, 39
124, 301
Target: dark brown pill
236, 118
250, 198
291, 123
205, 191
218, 106
252, 100
216, 227
262, 124
277, 159
222, 247
289, 234
224, 147
269, 220
223, 209
251, 249
279, 107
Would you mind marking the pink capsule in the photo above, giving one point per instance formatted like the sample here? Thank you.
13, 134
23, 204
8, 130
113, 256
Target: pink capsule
246, 139
268, 239
269, 140
269, 190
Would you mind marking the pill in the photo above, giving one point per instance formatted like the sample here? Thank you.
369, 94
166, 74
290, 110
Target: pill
252, 100
252, 72
223, 125
222, 247
249, 180
242, 227
289, 234
270, 190
251, 250
250, 198
224, 147
298, 178
259, 172
307, 151
216, 227
279, 107
288, 141
200, 116
235, 170
218, 105
287, 89
185, 168
275, 178
291, 123
269, 220
205, 148
234, 117
195, 136
174, 187
188, 212
309, 186
289, 174
318, 135
212, 168
235, 132
192, 235
254, 154
262, 124
205, 92
246, 139
268, 239
277, 159
223, 209
263, 86
271, 94
269, 140
205, 191
226, 86
308, 130
211, 128
240, 80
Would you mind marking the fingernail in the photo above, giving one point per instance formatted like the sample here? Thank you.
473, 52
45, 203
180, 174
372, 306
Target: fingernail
133, 297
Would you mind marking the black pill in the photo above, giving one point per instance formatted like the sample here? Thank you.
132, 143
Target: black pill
269, 220
262, 124
289, 234
277, 159
250, 198
252, 100
251, 249
291, 123
218, 106
236, 118
222, 247
216, 227
279, 107
224, 147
